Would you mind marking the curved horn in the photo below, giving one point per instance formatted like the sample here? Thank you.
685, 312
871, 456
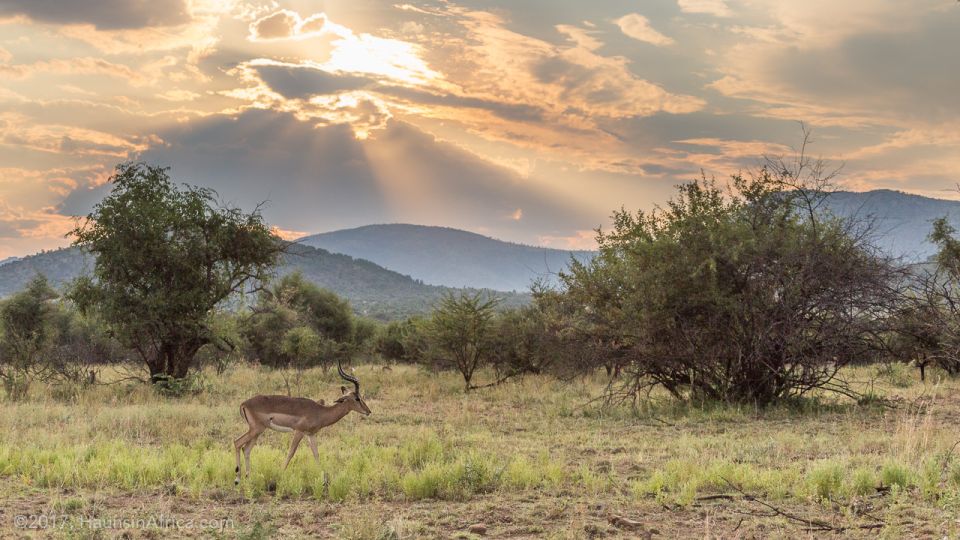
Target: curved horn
351, 378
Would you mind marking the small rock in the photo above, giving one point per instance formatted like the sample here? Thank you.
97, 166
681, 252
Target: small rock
478, 528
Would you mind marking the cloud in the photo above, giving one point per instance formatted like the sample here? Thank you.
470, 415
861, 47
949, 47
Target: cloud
302, 81
852, 75
582, 240
102, 14
717, 8
286, 24
638, 27
79, 66
321, 177
508, 111
548, 98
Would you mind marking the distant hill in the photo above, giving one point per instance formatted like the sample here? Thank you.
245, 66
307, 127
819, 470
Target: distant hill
8, 260
373, 291
59, 266
901, 221
449, 257
440, 258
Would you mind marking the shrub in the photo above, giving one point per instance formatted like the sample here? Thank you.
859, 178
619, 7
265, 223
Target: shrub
297, 324
748, 294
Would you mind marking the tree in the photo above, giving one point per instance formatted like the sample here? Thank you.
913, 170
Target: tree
297, 324
928, 322
26, 335
459, 332
534, 339
166, 258
405, 341
389, 341
749, 294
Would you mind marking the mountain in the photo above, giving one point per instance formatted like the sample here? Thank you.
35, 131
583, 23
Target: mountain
59, 266
900, 221
8, 260
449, 257
372, 290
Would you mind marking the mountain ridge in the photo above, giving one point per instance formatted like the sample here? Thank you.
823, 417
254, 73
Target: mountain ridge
372, 290
385, 289
901, 222
447, 256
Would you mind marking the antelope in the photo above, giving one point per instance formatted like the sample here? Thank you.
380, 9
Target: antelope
302, 416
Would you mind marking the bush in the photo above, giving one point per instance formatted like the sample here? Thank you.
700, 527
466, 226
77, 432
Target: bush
458, 333
27, 336
748, 294
297, 324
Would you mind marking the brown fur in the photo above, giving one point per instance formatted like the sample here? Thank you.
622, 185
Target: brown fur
302, 416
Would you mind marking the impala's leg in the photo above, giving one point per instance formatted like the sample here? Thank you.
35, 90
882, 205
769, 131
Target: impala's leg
249, 446
239, 443
313, 446
297, 435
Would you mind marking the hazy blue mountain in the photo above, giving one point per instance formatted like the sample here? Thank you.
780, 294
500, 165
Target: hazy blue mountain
450, 257
372, 290
8, 260
900, 221
59, 266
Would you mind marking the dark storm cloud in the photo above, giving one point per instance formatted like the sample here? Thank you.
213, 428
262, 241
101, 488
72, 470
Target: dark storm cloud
321, 177
104, 14
296, 82
309, 176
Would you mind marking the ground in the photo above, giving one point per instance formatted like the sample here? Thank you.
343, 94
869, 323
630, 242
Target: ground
529, 459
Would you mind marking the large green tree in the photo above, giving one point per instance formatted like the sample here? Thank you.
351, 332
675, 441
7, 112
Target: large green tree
166, 257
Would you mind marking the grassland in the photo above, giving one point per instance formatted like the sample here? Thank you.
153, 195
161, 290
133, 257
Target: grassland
528, 459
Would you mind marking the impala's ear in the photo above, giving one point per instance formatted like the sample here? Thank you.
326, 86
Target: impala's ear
343, 389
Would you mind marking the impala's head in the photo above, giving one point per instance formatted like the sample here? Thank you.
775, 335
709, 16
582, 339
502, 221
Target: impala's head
353, 399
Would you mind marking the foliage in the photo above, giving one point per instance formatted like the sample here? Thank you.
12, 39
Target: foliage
534, 339
297, 324
459, 333
365, 334
389, 341
166, 257
226, 346
748, 294
27, 335
928, 320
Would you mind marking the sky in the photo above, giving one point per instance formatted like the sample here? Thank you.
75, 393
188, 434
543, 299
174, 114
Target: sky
530, 121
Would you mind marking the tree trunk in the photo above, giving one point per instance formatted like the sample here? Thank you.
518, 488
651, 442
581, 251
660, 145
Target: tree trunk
174, 361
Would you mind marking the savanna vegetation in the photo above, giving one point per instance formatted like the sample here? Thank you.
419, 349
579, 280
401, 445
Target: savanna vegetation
739, 362
531, 458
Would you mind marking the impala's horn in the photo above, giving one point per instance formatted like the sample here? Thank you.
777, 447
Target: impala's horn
351, 378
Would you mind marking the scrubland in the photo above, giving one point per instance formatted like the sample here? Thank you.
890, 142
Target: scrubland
537, 457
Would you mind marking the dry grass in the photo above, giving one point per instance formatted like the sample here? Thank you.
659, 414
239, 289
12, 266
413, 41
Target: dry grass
526, 459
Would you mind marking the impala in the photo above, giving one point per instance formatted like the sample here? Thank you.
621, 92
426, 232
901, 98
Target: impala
302, 416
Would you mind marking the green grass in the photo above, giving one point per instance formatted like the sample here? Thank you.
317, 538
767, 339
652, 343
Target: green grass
427, 440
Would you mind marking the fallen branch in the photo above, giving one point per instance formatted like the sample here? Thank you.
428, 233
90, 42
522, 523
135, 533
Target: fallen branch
716, 497
810, 524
